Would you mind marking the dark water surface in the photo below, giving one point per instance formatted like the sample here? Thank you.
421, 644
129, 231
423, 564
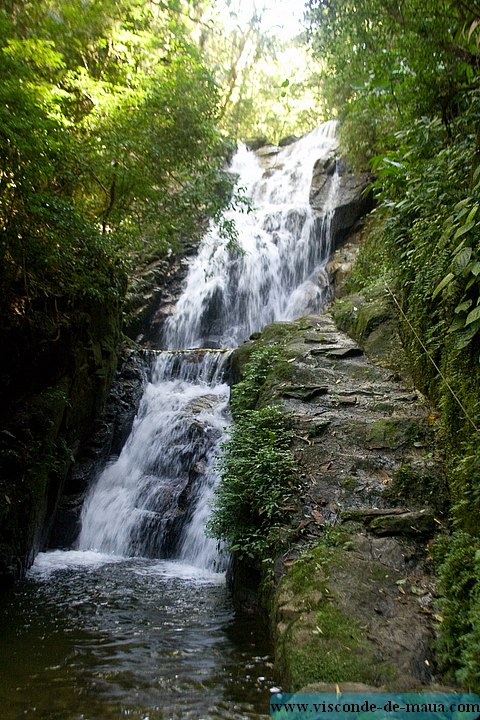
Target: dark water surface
90, 637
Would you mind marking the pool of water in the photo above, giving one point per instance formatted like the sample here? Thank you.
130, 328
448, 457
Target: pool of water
93, 637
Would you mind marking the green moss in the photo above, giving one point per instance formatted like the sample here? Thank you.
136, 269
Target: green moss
338, 655
420, 484
316, 638
395, 433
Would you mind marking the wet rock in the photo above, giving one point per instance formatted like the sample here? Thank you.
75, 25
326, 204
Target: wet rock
257, 142
344, 610
373, 324
288, 140
394, 521
421, 522
304, 392
267, 151
107, 439
352, 202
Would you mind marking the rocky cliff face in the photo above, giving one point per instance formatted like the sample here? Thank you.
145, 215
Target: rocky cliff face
354, 596
57, 392
353, 200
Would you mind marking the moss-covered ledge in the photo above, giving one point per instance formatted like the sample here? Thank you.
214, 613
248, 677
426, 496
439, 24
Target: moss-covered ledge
324, 628
348, 600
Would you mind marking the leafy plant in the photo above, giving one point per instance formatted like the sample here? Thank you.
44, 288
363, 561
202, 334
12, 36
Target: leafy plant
258, 476
246, 393
459, 583
257, 467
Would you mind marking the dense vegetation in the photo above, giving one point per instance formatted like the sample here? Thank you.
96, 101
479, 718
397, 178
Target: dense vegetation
405, 78
258, 468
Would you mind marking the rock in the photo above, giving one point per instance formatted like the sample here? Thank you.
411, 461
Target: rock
257, 143
421, 522
340, 615
352, 202
345, 352
393, 433
267, 151
393, 521
304, 392
288, 140
107, 439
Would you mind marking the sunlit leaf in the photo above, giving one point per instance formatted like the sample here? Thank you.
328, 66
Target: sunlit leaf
443, 284
473, 316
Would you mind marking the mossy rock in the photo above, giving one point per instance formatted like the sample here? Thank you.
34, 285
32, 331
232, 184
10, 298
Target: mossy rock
317, 637
394, 433
372, 322
421, 522
420, 481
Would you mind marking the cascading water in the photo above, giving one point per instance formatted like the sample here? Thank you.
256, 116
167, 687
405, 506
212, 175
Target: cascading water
118, 627
145, 497
279, 271
157, 487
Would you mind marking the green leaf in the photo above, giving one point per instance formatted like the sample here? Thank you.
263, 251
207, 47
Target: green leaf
443, 284
461, 259
463, 306
457, 324
472, 213
465, 337
473, 316
475, 268
463, 230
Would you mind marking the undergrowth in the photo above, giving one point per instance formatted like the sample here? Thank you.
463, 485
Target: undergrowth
258, 470
458, 646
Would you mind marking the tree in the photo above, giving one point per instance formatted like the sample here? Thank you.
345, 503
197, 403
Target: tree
388, 63
109, 123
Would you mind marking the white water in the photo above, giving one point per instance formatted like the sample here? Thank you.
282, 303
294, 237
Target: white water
145, 498
153, 500
281, 273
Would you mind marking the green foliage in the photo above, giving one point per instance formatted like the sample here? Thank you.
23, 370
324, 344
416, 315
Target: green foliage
388, 64
257, 467
258, 476
246, 393
264, 80
108, 147
459, 572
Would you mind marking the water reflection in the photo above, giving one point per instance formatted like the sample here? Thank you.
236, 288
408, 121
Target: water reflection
90, 637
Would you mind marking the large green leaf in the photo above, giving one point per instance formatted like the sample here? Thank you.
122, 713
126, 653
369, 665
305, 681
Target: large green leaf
461, 260
473, 316
443, 284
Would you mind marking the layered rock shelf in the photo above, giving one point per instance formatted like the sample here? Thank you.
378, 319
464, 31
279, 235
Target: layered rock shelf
355, 598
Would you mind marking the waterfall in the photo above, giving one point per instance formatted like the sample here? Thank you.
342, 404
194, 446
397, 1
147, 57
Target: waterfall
145, 498
154, 498
278, 273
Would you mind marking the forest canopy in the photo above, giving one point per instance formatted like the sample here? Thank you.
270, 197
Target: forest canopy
108, 141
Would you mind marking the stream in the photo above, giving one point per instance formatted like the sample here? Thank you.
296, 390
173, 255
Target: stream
136, 621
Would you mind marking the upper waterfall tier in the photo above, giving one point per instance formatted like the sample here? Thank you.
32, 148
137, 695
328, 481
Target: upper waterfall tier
279, 271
